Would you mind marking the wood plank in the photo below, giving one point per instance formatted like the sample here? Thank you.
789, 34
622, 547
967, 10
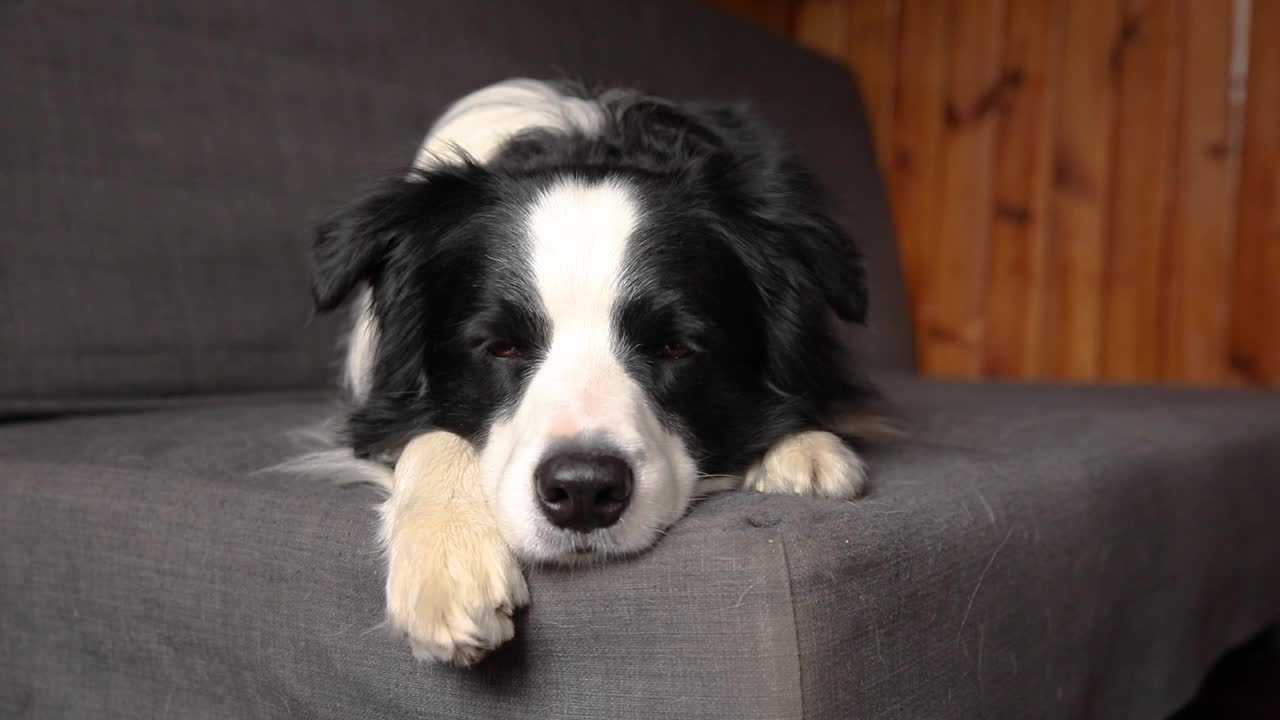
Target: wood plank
823, 25
914, 170
1197, 289
872, 52
1145, 56
1255, 320
776, 15
953, 306
1081, 183
1023, 180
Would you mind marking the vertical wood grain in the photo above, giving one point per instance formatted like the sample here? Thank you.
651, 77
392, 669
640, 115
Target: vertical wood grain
1196, 291
823, 25
872, 52
1079, 190
914, 175
1081, 186
1145, 56
1020, 223
1255, 321
952, 309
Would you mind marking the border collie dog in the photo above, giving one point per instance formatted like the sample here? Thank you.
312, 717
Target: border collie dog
575, 313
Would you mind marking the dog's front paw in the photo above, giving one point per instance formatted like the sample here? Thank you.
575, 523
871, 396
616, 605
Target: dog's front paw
452, 592
452, 582
813, 463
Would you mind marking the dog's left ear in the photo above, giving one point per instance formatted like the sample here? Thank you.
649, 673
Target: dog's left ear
793, 210
832, 259
760, 177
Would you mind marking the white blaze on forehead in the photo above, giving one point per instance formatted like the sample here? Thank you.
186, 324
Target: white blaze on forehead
478, 124
578, 235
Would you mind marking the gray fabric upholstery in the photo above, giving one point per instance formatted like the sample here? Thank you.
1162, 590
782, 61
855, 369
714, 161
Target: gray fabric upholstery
1052, 552
161, 163
1026, 551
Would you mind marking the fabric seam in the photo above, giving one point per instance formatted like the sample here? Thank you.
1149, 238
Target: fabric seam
795, 625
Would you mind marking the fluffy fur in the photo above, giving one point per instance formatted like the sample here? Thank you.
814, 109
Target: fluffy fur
611, 274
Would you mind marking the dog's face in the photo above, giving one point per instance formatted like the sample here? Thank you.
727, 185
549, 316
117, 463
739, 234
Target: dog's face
616, 320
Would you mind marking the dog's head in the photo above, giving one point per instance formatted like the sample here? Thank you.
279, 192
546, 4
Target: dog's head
617, 313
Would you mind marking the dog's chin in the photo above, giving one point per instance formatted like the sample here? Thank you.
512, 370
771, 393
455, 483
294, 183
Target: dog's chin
567, 549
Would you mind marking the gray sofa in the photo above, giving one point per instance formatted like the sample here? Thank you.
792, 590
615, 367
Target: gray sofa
1025, 551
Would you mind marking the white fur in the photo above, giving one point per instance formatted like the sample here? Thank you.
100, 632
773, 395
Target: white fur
362, 344
473, 127
452, 583
478, 124
330, 460
453, 523
812, 463
579, 235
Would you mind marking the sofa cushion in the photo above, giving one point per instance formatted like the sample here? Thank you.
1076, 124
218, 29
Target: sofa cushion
163, 161
1042, 551
152, 570
1047, 551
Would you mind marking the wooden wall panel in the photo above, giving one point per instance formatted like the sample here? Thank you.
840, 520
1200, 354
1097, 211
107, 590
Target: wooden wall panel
951, 307
1078, 189
823, 25
1015, 299
913, 169
1145, 57
872, 51
1255, 326
1081, 190
1197, 290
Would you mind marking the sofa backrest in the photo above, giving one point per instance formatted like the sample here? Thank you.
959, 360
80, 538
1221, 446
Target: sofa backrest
162, 163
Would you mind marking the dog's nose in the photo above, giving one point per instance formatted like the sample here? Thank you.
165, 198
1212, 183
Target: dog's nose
583, 490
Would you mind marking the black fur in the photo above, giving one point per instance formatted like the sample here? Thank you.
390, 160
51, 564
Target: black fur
736, 258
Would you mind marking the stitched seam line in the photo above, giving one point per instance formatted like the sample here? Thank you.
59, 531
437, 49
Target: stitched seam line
795, 625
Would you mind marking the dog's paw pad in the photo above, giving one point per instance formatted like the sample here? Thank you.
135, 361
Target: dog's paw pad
815, 463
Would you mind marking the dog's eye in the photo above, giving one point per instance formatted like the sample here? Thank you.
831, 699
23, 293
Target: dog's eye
676, 351
506, 351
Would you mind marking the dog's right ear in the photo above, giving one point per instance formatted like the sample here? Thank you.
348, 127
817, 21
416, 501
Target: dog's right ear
352, 245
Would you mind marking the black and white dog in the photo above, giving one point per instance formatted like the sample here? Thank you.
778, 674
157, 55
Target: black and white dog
576, 313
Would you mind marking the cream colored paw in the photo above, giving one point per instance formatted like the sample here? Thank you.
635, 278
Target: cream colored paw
814, 463
452, 582
453, 596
